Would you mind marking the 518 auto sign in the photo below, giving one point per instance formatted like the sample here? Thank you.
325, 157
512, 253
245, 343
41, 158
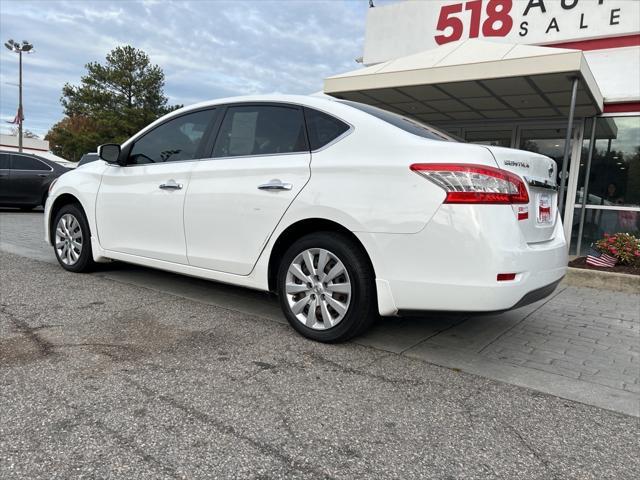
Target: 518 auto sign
535, 21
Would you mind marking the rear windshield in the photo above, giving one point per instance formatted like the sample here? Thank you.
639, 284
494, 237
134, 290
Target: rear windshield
407, 124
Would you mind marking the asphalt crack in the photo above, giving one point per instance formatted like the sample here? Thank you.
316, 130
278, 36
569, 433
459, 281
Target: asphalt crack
43, 346
288, 461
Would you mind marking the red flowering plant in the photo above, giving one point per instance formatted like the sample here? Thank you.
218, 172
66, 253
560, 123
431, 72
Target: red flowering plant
623, 246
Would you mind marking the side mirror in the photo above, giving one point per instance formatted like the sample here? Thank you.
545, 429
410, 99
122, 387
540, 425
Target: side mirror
109, 152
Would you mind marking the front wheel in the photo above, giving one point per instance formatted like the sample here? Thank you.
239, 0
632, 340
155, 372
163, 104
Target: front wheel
72, 240
326, 287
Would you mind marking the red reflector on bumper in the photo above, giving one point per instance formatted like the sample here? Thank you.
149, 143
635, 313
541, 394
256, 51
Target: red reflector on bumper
503, 277
523, 213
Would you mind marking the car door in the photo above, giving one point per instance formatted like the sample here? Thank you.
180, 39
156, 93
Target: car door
5, 165
139, 207
27, 179
236, 198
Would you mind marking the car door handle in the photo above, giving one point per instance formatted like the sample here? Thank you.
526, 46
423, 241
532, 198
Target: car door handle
171, 185
275, 185
43, 174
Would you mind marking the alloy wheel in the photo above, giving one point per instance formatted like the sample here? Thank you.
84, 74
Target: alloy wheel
68, 239
318, 289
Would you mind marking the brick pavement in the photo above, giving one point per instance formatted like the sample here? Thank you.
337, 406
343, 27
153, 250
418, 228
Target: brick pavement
586, 334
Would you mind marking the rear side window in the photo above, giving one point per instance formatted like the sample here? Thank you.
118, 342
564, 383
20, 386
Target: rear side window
407, 124
177, 139
21, 162
323, 128
260, 130
4, 161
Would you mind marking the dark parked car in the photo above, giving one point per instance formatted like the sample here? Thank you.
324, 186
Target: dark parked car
25, 179
88, 158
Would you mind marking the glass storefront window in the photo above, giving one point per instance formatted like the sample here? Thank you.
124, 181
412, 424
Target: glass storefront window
495, 138
615, 167
548, 141
598, 221
613, 187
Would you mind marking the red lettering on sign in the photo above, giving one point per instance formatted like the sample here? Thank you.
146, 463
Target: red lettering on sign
497, 24
446, 20
476, 13
495, 15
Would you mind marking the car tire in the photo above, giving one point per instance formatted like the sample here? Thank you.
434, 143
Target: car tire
72, 240
335, 299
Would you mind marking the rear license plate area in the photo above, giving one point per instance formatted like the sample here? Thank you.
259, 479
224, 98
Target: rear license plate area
544, 209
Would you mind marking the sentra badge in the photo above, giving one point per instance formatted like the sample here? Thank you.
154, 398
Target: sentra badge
512, 163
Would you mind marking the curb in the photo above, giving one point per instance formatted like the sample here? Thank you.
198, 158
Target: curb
615, 282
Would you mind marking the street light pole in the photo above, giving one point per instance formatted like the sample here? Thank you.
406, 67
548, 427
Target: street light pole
19, 48
20, 102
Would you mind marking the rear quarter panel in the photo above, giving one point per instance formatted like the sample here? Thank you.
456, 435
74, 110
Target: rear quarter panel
364, 181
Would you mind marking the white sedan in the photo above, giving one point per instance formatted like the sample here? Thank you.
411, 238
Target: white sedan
344, 210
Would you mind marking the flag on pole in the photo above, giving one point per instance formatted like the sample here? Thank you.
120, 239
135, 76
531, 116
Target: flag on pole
598, 259
19, 118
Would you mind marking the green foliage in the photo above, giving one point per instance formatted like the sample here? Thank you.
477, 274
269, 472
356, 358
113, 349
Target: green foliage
623, 246
113, 101
72, 137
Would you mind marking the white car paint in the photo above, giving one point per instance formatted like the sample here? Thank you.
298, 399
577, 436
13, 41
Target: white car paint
223, 197
426, 255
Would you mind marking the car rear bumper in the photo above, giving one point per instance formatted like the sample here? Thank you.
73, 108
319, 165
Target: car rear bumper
453, 263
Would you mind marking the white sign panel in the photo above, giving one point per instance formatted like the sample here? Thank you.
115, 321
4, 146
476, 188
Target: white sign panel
415, 25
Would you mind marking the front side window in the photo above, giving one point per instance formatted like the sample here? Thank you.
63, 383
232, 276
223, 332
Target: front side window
261, 130
404, 123
176, 140
323, 128
20, 162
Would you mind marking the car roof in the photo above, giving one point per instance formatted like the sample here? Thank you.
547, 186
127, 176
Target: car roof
323, 103
27, 154
48, 161
276, 98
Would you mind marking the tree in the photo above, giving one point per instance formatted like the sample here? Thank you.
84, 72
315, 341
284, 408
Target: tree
113, 101
72, 137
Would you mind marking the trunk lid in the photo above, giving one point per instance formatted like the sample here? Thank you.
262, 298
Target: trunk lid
540, 175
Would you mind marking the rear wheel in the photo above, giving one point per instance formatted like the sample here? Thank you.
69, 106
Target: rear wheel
326, 287
72, 240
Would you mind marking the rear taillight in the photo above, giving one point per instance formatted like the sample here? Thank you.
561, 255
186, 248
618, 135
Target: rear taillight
467, 183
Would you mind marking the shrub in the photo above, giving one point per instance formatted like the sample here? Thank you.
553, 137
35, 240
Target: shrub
623, 246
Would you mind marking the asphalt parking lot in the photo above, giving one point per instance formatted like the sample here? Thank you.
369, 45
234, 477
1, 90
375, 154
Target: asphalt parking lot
133, 373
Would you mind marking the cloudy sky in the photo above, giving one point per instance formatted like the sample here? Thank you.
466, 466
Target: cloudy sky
208, 49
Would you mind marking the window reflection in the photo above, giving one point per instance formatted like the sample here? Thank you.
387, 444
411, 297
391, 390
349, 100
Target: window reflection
613, 189
496, 138
615, 167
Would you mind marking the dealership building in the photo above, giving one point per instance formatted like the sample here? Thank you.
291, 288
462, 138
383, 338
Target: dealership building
558, 77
